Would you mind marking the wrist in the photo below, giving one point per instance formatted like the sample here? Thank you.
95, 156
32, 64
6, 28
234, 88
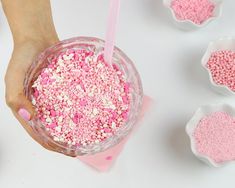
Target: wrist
40, 41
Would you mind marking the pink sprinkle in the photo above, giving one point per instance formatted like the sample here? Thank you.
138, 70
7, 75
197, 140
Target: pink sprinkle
83, 102
50, 66
109, 158
44, 82
43, 120
126, 87
107, 130
125, 99
77, 98
76, 57
86, 68
71, 51
36, 93
53, 113
75, 120
78, 115
82, 63
44, 75
197, 11
114, 115
52, 125
52, 80
125, 115
100, 58
115, 67
215, 137
222, 67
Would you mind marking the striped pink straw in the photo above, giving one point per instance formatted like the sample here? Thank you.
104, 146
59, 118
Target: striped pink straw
111, 30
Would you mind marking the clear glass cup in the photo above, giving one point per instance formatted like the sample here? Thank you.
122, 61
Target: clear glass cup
120, 60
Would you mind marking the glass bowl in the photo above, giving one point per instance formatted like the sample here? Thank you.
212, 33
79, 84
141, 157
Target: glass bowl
120, 60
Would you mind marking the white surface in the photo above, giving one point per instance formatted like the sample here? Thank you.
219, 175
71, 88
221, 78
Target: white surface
158, 154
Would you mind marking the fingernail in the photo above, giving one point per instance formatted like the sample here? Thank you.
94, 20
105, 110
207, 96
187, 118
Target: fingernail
24, 114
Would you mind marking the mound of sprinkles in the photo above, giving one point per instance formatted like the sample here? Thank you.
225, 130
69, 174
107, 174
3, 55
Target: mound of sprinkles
222, 68
81, 100
197, 11
215, 137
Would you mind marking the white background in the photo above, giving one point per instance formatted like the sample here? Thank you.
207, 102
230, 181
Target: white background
168, 59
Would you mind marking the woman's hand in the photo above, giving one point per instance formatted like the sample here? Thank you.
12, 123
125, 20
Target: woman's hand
22, 57
33, 30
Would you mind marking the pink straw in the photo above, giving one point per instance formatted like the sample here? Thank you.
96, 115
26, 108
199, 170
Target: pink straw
111, 30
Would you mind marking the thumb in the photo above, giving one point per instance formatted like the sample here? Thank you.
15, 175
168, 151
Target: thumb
22, 106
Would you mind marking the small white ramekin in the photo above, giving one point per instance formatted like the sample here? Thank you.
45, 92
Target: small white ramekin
188, 24
192, 124
226, 43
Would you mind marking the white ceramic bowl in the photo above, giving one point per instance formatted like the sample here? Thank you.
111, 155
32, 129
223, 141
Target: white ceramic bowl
226, 43
188, 24
192, 124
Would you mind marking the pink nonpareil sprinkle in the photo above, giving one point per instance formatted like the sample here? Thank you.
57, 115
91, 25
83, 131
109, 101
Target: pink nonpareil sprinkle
80, 99
222, 68
215, 137
197, 11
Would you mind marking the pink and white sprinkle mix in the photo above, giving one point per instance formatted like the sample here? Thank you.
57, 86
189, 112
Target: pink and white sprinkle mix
80, 99
215, 137
222, 68
198, 11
